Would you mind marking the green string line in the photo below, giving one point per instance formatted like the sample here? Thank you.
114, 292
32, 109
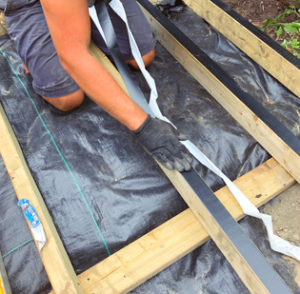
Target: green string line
59, 152
17, 247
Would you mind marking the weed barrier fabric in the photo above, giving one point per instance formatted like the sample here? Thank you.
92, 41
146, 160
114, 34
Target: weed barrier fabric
125, 190
24, 266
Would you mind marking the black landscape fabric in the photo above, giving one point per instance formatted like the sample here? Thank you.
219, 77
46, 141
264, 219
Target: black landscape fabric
105, 174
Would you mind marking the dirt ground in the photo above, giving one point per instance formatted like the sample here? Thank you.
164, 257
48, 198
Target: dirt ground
285, 210
257, 11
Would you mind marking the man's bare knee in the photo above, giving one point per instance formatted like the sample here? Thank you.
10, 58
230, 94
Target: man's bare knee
147, 58
68, 102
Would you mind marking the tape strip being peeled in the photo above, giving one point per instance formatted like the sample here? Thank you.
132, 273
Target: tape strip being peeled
277, 244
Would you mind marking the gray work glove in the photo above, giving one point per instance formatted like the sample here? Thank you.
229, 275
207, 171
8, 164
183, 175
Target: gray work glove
162, 141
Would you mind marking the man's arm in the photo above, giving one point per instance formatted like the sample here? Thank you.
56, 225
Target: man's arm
70, 29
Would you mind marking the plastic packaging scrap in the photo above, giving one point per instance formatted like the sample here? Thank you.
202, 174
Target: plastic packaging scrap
35, 223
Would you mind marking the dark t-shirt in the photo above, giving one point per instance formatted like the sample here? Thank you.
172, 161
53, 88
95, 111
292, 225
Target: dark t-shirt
15, 4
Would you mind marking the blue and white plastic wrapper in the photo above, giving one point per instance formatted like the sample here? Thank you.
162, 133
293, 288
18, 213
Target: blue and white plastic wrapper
277, 244
35, 223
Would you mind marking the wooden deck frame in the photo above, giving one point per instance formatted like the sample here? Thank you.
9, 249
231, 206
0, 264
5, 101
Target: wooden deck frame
150, 254
251, 115
280, 63
135, 252
158, 249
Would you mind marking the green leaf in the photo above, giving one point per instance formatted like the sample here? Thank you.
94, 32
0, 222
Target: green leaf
279, 32
290, 28
292, 6
288, 11
284, 43
279, 16
294, 43
267, 23
296, 24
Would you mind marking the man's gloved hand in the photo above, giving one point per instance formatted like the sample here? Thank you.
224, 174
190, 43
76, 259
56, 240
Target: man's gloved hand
162, 141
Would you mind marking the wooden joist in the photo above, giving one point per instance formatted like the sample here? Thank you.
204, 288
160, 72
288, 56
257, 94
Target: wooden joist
150, 254
267, 53
4, 282
250, 114
245, 258
54, 256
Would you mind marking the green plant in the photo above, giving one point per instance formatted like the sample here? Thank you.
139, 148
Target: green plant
288, 32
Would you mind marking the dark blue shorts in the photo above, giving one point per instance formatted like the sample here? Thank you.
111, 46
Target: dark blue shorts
28, 29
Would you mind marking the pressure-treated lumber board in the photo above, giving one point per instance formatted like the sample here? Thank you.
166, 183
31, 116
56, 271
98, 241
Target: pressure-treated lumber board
258, 46
147, 256
56, 261
260, 125
245, 258
4, 282
2, 24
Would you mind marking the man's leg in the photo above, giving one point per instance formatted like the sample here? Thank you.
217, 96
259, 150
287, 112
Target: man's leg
140, 29
28, 29
147, 58
67, 102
